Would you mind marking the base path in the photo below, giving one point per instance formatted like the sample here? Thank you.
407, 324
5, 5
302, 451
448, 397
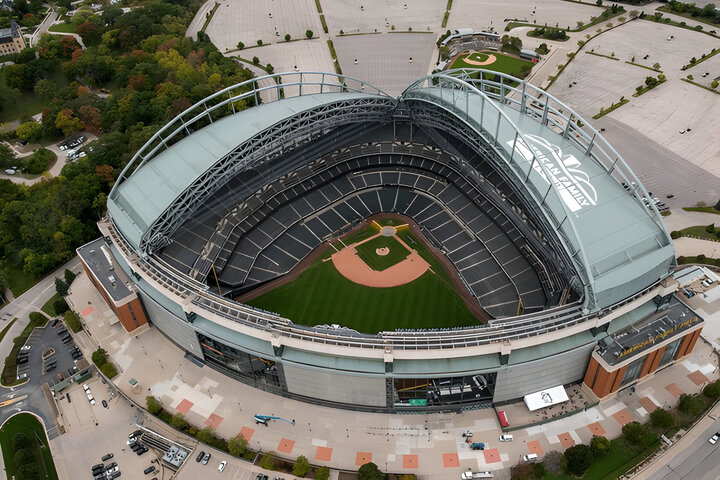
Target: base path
356, 270
491, 59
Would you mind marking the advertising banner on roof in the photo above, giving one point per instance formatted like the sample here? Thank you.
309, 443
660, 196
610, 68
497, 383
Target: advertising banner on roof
546, 398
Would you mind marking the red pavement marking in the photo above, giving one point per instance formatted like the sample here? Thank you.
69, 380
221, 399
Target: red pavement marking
698, 378
184, 406
535, 448
324, 454
647, 404
674, 390
451, 460
87, 311
247, 433
214, 421
596, 429
410, 461
492, 455
286, 445
362, 458
566, 440
623, 417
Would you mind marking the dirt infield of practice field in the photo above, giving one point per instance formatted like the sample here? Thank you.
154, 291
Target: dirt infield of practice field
351, 266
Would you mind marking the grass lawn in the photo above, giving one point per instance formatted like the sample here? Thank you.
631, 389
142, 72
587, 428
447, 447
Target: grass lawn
30, 426
702, 209
503, 63
48, 307
366, 252
7, 327
64, 27
18, 281
698, 231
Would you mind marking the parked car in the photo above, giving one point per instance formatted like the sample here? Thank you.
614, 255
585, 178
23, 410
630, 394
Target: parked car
206, 459
221, 467
200, 456
478, 446
713, 440
107, 457
149, 470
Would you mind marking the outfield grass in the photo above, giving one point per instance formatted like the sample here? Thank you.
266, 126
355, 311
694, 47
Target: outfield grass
30, 426
397, 254
503, 63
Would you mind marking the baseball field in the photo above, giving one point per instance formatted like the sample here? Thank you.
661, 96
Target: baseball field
321, 295
492, 61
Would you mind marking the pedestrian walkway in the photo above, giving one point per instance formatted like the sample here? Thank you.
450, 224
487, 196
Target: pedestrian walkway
431, 444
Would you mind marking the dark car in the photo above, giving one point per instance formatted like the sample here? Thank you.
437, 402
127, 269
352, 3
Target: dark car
111, 465
62, 331
135, 447
104, 403
107, 456
141, 450
149, 470
200, 456
98, 468
114, 475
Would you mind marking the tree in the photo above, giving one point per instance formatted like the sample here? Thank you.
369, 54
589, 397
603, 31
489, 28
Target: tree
23, 456
111, 14
691, 404
267, 462
259, 42
600, 446
237, 446
554, 462
240, 45
634, 432
29, 131
67, 123
302, 466
579, 458
60, 306
714, 84
178, 421
370, 471
322, 473
20, 441
308, 33
712, 390
256, 60
270, 68
656, 66
99, 357
287, 37
61, 287
661, 418
710, 228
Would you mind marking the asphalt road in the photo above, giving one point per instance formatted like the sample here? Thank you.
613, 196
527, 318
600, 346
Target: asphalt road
697, 462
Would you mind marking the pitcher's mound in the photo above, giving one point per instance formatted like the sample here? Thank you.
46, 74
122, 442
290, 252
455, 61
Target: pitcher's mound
382, 251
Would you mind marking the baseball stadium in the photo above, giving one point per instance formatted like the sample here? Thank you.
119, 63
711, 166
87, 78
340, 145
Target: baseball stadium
465, 244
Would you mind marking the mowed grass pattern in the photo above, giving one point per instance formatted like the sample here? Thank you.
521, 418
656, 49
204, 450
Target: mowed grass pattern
367, 252
320, 295
503, 63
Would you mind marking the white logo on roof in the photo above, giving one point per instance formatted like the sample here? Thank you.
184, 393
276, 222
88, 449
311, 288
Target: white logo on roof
572, 184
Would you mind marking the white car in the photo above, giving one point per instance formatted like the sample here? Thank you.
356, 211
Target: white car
713, 440
221, 467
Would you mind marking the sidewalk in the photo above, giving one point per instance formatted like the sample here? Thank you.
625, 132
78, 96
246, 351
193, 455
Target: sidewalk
430, 444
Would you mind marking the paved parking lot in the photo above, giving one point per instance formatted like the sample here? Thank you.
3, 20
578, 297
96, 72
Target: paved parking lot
236, 469
93, 431
43, 339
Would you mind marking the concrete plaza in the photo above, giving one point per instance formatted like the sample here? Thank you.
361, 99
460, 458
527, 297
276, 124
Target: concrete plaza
429, 444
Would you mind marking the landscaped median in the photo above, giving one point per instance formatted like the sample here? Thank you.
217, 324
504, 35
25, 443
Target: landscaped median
25, 449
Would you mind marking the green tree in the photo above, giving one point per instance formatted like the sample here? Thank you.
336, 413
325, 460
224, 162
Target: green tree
268, 462
60, 306
710, 228
108, 369
206, 435
302, 466
99, 357
555, 462
259, 42
370, 471
237, 446
600, 446
29, 131
322, 473
153, 405
23, 456
714, 84
661, 418
240, 45
712, 390
579, 458
20, 441
61, 287
178, 421
287, 37
308, 33
256, 60
691, 404
634, 432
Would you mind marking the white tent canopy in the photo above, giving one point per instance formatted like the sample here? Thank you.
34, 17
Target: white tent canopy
546, 398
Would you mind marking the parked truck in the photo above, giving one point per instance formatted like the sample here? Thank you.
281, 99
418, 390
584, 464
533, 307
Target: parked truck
469, 475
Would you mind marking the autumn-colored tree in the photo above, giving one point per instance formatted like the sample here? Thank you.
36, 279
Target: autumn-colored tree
91, 117
105, 172
67, 123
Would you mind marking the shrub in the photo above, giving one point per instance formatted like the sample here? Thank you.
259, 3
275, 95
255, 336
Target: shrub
370, 471
710, 228
691, 404
61, 287
600, 446
206, 435
259, 42
153, 406
308, 33
675, 234
240, 45
23, 456
60, 306
237, 446
634, 432
267, 462
322, 473
39, 161
302, 466
99, 357
554, 462
714, 84
661, 418
256, 60
287, 37
109, 370
712, 390
270, 68
579, 458
178, 421
72, 321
